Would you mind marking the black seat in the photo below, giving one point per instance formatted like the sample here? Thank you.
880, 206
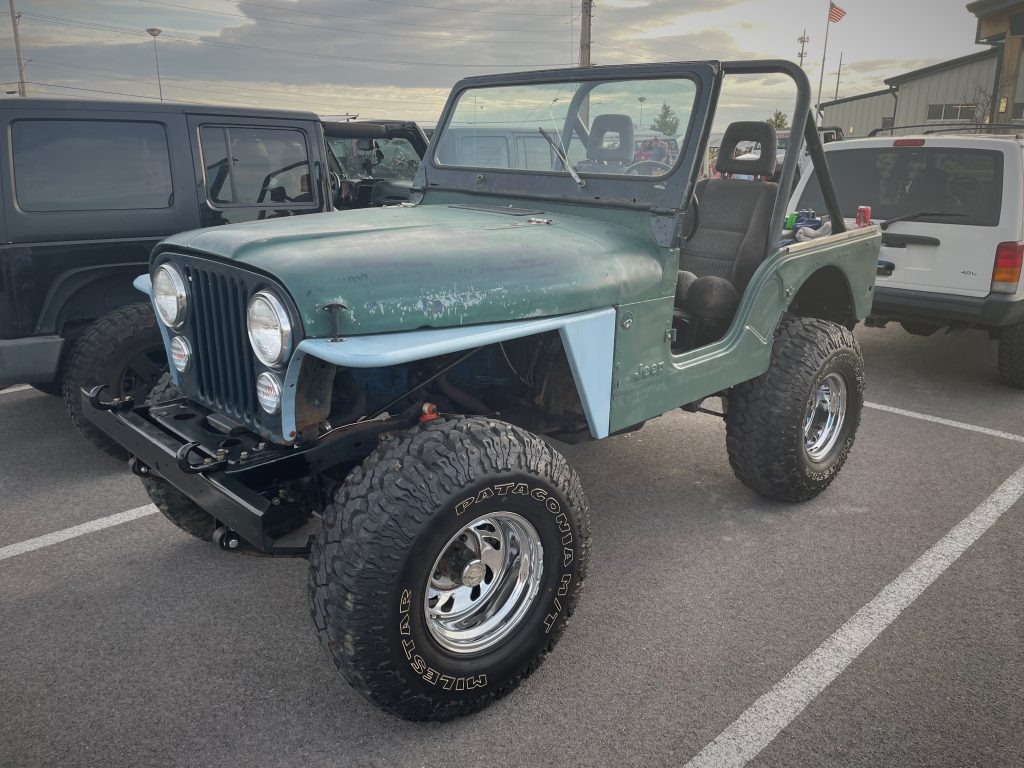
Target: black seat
615, 158
730, 220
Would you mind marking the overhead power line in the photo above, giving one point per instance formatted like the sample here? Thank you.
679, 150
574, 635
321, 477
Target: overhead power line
174, 83
97, 90
393, 22
261, 49
421, 37
463, 10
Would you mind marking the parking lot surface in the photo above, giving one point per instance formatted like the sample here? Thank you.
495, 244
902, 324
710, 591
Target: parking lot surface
136, 645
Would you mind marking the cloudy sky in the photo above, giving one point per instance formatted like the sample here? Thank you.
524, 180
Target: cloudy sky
398, 58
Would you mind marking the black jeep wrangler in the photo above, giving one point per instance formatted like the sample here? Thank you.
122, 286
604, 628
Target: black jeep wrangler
88, 188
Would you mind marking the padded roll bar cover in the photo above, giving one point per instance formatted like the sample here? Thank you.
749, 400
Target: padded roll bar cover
605, 124
763, 134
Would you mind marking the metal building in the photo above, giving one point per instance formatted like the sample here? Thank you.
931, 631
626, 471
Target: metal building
858, 115
959, 90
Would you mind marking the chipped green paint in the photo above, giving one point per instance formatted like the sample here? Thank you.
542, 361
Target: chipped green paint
439, 265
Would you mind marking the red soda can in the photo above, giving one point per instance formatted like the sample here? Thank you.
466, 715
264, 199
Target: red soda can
864, 216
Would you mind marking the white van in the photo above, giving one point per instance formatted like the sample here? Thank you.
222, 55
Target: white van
952, 213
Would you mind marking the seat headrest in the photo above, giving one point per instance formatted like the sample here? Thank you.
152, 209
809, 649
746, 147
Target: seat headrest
763, 134
601, 127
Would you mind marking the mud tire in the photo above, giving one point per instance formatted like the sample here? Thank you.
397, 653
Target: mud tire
122, 349
381, 534
764, 422
1011, 355
172, 503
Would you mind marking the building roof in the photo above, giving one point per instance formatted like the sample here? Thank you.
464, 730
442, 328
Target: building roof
989, 7
848, 99
942, 66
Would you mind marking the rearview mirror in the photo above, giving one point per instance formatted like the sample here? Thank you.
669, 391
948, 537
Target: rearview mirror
365, 145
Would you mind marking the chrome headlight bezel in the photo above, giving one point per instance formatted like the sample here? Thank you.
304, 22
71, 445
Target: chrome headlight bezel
274, 390
181, 346
283, 330
180, 296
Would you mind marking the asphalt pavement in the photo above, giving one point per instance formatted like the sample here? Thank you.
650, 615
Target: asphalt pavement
136, 645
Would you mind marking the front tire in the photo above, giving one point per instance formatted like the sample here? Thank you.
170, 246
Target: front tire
1011, 355
789, 431
123, 350
448, 565
172, 503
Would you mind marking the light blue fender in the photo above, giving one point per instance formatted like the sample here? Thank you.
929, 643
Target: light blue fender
144, 283
588, 338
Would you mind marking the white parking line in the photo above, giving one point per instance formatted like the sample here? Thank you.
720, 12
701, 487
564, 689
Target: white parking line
12, 390
774, 711
946, 422
13, 550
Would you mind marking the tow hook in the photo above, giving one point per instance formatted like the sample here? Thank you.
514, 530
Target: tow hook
208, 464
225, 538
117, 404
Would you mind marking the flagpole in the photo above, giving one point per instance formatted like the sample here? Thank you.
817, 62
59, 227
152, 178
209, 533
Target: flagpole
821, 80
839, 74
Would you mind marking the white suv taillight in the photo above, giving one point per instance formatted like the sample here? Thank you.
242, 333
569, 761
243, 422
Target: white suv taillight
1006, 272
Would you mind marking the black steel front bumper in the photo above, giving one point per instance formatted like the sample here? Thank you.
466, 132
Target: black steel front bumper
993, 311
251, 487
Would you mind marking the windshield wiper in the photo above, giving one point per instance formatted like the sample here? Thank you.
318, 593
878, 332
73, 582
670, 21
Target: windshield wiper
565, 160
917, 215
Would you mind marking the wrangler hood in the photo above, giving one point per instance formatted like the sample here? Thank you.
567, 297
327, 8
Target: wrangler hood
408, 267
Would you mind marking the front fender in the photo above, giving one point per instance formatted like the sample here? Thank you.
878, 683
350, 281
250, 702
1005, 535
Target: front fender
588, 339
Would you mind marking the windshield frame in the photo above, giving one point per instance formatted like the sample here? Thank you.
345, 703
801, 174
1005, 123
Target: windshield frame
644, 192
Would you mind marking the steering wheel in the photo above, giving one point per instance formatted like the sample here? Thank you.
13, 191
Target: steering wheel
655, 165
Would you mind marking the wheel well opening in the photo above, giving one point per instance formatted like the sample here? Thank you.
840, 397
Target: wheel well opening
826, 295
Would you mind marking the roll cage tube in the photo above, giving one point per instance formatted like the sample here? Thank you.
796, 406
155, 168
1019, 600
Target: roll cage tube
802, 125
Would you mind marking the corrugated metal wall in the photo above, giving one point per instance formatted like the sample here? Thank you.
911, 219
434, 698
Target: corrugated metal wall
860, 117
969, 84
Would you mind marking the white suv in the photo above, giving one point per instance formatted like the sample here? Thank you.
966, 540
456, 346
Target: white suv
952, 214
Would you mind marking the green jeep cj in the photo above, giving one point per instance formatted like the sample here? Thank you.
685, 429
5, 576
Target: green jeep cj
369, 387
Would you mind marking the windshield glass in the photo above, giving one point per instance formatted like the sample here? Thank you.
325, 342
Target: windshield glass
596, 124
897, 181
384, 159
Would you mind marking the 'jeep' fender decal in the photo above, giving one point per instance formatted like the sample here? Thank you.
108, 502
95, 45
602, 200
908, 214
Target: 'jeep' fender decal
588, 338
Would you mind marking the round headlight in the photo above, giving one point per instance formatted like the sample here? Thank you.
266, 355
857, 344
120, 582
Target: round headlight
169, 295
181, 354
270, 331
268, 392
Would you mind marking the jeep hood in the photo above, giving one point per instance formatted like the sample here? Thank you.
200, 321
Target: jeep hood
402, 268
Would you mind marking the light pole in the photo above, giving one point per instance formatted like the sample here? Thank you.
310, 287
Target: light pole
641, 99
155, 31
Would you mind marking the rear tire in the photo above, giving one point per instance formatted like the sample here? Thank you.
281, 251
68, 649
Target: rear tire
123, 350
789, 431
402, 537
1011, 355
176, 506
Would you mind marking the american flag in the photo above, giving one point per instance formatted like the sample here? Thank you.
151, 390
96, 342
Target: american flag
835, 13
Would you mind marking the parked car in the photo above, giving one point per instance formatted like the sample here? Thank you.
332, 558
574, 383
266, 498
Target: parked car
827, 135
384, 374
88, 188
952, 211
376, 161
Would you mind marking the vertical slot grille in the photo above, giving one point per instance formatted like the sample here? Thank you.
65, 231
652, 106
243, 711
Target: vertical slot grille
225, 370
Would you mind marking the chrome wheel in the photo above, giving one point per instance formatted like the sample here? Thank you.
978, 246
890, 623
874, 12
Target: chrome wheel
825, 416
483, 582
